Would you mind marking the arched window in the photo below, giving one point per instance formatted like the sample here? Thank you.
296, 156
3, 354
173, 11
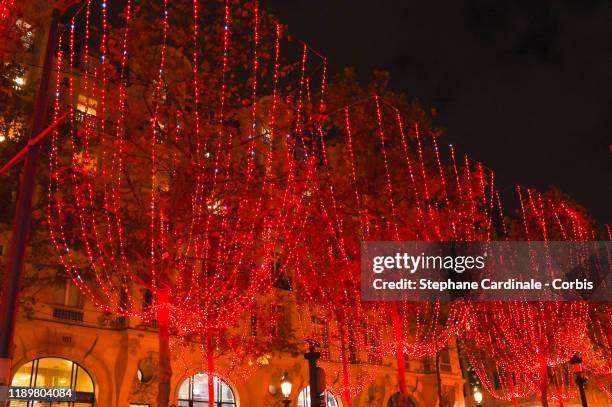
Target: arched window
304, 399
57, 372
194, 392
395, 399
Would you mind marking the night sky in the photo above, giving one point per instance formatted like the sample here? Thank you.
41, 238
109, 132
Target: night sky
523, 86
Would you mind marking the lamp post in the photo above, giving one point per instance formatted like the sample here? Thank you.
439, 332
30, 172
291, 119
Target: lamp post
477, 397
581, 380
316, 375
286, 387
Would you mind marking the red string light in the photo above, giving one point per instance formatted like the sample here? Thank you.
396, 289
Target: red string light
216, 215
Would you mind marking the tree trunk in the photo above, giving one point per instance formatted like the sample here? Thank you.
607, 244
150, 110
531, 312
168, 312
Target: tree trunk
211, 368
439, 379
544, 383
345, 369
401, 358
163, 335
558, 390
511, 382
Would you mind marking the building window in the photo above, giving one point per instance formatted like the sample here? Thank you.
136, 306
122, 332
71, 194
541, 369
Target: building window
428, 364
87, 105
304, 399
266, 135
445, 361
68, 295
321, 334
147, 300
280, 319
56, 372
145, 372
69, 302
279, 279
497, 380
194, 392
27, 35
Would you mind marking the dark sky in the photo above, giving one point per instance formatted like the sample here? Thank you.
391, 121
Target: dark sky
523, 86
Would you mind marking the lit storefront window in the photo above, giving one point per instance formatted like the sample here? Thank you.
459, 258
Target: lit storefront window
57, 372
304, 399
194, 392
87, 105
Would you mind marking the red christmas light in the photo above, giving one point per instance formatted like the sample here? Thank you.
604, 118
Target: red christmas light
178, 220
178, 186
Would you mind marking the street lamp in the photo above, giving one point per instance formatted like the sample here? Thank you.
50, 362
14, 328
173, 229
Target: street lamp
286, 386
576, 362
478, 397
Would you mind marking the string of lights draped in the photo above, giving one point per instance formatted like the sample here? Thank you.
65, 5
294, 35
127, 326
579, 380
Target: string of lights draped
529, 341
158, 204
496, 380
345, 326
597, 349
418, 329
198, 152
324, 273
386, 187
513, 386
243, 347
472, 210
598, 345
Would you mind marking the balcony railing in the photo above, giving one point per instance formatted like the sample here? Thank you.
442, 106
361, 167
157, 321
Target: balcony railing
67, 314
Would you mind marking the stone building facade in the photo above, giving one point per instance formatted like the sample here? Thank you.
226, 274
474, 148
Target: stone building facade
120, 356
113, 361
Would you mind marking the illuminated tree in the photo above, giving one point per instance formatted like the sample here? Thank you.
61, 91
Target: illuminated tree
597, 348
195, 152
531, 341
173, 181
374, 181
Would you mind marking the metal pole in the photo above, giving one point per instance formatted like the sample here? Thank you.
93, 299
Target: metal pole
21, 226
287, 402
581, 381
312, 356
17, 158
